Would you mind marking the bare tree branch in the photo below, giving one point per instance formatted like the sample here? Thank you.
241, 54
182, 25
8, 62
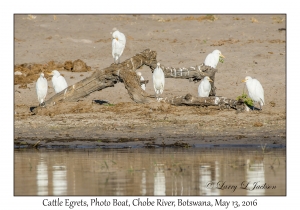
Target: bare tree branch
193, 73
108, 77
126, 72
189, 100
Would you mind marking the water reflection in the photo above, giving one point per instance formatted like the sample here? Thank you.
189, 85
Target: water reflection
159, 180
59, 180
183, 171
52, 181
206, 172
255, 174
42, 178
143, 183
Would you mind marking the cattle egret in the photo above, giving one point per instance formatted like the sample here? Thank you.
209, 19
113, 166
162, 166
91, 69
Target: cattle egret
204, 87
58, 81
158, 80
118, 44
212, 59
41, 89
143, 86
255, 90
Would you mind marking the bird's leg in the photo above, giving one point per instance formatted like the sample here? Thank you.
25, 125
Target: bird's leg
116, 58
253, 107
260, 106
157, 96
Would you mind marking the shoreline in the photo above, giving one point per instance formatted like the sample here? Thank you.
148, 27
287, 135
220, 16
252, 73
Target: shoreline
234, 139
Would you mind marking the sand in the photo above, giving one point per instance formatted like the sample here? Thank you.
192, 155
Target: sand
253, 45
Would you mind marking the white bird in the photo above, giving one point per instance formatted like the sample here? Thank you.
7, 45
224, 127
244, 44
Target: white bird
255, 90
204, 87
158, 80
212, 59
58, 81
143, 86
41, 86
118, 44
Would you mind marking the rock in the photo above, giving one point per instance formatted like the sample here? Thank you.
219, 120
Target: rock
68, 65
18, 73
80, 66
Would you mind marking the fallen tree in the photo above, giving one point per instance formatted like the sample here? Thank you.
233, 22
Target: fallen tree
125, 72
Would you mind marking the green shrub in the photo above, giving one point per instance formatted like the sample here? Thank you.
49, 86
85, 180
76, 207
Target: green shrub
246, 99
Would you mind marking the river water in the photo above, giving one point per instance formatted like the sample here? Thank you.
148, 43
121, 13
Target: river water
147, 172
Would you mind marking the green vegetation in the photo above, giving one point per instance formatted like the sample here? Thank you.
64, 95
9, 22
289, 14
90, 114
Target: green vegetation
221, 60
248, 101
106, 165
211, 17
263, 148
131, 170
108, 104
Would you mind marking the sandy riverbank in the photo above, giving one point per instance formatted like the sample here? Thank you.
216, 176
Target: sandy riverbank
252, 44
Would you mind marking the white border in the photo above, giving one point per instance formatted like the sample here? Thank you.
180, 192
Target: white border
8, 201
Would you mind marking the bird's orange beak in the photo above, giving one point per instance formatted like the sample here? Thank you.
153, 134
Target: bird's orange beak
210, 80
49, 73
222, 56
243, 80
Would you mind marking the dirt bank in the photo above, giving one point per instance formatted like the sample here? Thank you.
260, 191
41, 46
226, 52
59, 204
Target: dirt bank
254, 45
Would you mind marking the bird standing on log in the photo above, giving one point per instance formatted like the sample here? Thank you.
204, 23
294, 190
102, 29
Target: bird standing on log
212, 59
41, 89
255, 90
118, 45
58, 81
158, 80
143, 86
204, 87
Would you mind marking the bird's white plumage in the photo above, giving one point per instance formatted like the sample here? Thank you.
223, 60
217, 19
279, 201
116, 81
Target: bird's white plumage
59, 83
41, 88
143, 86
212, 59
204, 87
158, 80
118, 45
255, 90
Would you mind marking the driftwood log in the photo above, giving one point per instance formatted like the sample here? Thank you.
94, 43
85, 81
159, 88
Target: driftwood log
126, 72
